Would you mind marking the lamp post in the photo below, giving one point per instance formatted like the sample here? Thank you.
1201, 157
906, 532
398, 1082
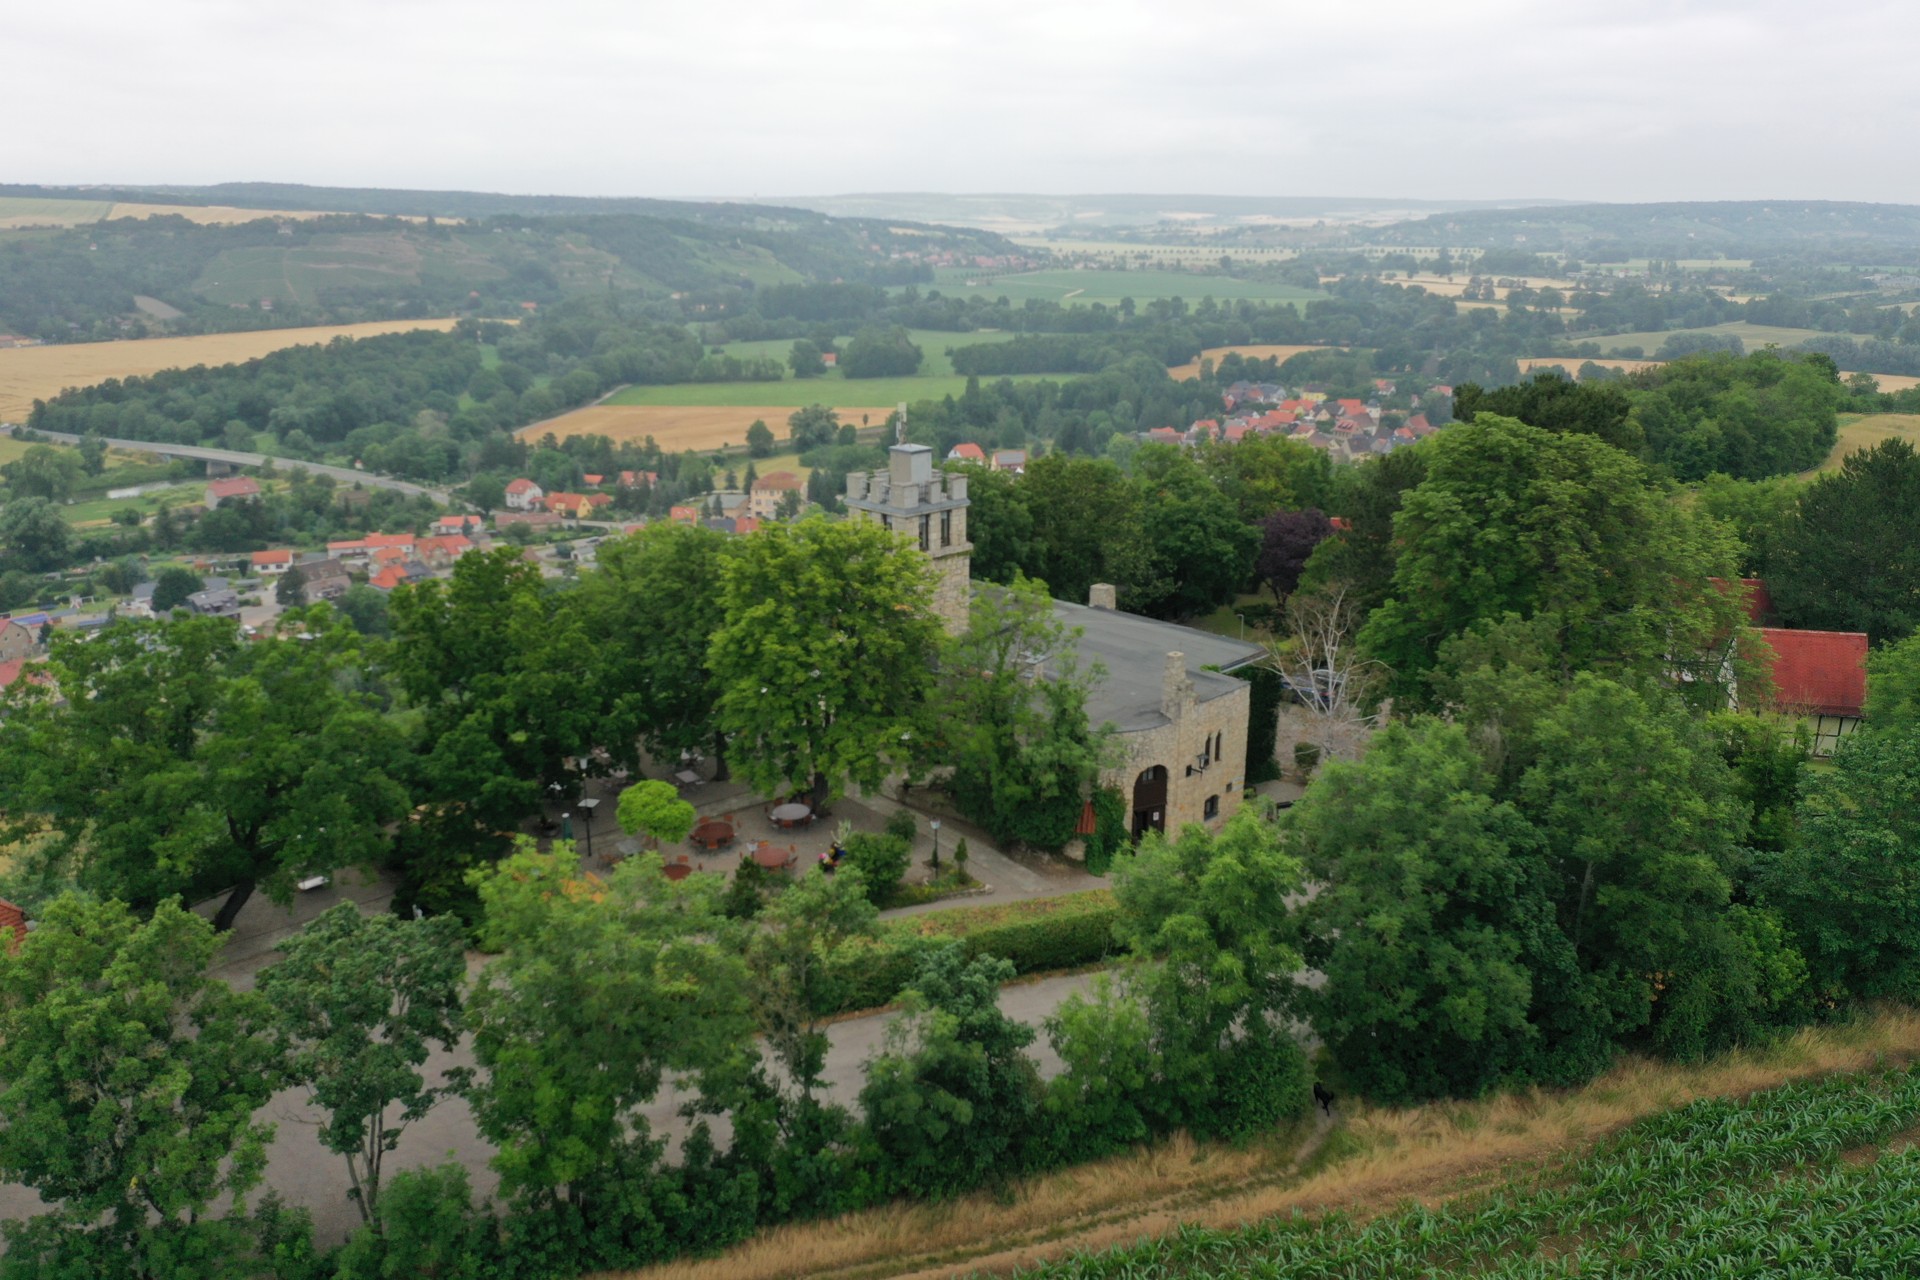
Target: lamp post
1243, 624
589, 805
566, 825
933, 824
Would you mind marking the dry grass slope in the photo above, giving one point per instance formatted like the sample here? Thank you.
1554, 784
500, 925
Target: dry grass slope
1377, 1160
30, 373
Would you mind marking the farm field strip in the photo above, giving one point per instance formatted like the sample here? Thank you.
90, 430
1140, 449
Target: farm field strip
38, 373
677, 428
36, 211
1863, 431
1191, 369
794, 393
1109, 287
933, 342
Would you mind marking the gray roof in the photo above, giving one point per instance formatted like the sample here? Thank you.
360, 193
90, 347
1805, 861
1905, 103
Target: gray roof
1134, 652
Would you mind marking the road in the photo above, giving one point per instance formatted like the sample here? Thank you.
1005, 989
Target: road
346, 475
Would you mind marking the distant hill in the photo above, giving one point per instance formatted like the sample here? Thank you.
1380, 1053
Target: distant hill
1016, 213
119, 278
1831, 230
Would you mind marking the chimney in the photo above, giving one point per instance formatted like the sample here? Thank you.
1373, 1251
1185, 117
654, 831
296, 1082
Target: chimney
957, 488
1176, 690
856, 485
909, 464
1101, 596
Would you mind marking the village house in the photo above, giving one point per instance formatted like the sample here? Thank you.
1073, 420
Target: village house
441, 552
398, 575
16, 641
1013, 461
231, 489
468, 524
271, 564
524, 495
967, 452
215, 602
359, 551
324, 579
1820, 678
639, 479
770, 490
535, 520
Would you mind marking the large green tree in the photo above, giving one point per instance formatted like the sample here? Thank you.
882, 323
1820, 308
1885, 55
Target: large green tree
35, 536
598, 990
129, 1080
1893, 687
1517, 520
1432, 908
362, 1000
1848, 563
43, 472
1080, 508
1186, 549
651, 609
177, 760
500, 669
825, 656
1207, 916
1850, 885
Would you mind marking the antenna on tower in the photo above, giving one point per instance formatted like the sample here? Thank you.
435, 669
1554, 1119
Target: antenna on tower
900, 427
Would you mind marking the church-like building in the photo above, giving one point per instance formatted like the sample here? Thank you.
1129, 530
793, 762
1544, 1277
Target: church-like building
1180, 719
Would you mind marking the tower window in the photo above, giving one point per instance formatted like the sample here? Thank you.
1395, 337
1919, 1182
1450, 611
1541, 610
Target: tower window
946, 528
926, 528
1212, 808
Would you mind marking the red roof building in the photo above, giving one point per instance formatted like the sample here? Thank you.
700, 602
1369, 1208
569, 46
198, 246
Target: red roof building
634, 479
967, 452
592, 479
13, 924
1822, 673
232, 489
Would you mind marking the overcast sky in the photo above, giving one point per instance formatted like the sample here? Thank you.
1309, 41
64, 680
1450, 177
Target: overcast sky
1628, 100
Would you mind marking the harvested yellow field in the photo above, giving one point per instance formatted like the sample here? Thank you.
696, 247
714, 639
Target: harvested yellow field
1896, 381
223, 215
1863, 431
1192, 368
677, 428
39, 373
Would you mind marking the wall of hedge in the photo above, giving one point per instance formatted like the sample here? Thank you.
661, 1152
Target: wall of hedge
1046, 933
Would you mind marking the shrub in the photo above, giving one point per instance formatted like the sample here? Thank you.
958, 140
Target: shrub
901, 826
880, 860
1305, 756
1109, 829
1046, 933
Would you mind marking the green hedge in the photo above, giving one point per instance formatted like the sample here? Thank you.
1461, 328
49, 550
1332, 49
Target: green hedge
1263, 725
1045, 933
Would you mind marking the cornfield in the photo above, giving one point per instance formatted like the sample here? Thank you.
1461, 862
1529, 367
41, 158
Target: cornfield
1788, 1183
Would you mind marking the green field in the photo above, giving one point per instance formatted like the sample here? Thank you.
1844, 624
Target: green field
1816, 1179
1754, 335
1083, 288
833, 390
934, 342
33, 211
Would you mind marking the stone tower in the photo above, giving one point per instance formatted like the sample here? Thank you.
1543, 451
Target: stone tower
910, 497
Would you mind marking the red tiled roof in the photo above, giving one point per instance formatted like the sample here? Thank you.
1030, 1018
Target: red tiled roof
389, 578
1340, 522
521, 486
777, 480
233, 487
968, 452
272, 557
13, 921
1819, 671
592, 479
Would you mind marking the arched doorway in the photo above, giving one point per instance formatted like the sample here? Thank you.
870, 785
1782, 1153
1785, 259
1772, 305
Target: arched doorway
1150, 801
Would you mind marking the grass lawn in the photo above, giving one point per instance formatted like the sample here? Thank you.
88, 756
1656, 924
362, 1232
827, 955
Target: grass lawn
1083, 288
1225, 621
33, 211
934, 342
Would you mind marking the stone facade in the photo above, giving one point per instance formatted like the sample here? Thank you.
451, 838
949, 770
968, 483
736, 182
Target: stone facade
1202, 748
910, 498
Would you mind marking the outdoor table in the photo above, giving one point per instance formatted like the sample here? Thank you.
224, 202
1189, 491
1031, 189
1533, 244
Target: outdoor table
687, 778
677, 870
713, 833
791, 814
771, 858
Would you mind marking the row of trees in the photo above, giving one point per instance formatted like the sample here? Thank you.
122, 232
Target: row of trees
599, 993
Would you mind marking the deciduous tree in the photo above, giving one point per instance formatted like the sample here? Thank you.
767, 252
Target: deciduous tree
825, 656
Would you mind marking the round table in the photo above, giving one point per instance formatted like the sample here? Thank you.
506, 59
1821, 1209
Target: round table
772, 858
791, 814
713, 833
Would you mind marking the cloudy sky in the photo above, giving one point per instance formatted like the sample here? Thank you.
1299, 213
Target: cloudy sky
1627, 100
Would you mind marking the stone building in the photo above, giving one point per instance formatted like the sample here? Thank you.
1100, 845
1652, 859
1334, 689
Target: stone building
1180, 722
910, 497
